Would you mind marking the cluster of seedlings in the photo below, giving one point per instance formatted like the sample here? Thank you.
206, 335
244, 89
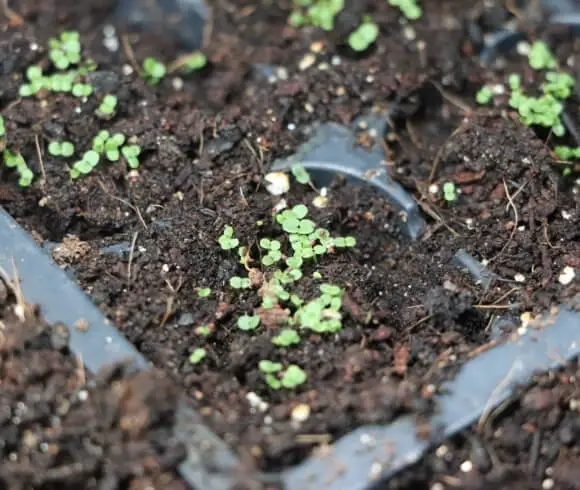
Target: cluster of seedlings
322, 14
283, 263
544, 109
66, 73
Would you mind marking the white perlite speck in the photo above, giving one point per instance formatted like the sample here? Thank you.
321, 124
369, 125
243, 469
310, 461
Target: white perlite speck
277, 183
567, 275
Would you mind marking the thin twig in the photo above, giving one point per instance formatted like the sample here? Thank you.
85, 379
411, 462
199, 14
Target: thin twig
128, 49
131, 253
126, 203
13, 17
40, 159
454, 100
516, 220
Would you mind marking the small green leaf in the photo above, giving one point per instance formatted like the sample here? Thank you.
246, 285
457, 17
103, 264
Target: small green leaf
293, 376
269, 367
203, 292
247, 322
197, 355
286, 338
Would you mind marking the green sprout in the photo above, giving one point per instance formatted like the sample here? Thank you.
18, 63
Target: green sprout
153, 71
567, 153
409, 8
286, 338
292, 220
66, 50
364, 35
484, 95
193, 62
344, 242
541, 111
85, 165
293, 377
61, 148
540, 56
203, 292
238, 282
2, 127
131, 155
449, 193
16, 161
112, 147
269, 367
319, 13
559, 85
82, 90
274, 253
106, 109
61, 82
227, 240
203, 330
36, 82
197, 355
301, 174
247, 322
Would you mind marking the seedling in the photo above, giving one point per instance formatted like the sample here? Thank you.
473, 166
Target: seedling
82, 90
301, 174
449, 193
274, 253
203, 330
112, 147
227, 240
293, 220
559, 85
106, 109
131, 154
193, 62
238, 282
409, 8
84, 166
99, 141
293, 377
153, 71
203, 292
286, 338
344, 242
61, 82
61, 148
197, 355
2, 127
247, 322
566, 153
363, 36
269, 367
36, 82
66, 50
540, 56
319, 13
16, 161
484, 95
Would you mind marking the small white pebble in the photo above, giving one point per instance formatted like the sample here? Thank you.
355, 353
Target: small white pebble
335, 60
127, 70
307, 61
165, 268
548, 484
177, 83
256, 402
34, 46
300, 413
280, 206
83, 395
567, 275
409, 33
375, 471
523, 48
498, 89
441, 451
277, 183
291, 127
433, 189
308, 107
520, 278
320, 202
466, 466
566, 215
437, 486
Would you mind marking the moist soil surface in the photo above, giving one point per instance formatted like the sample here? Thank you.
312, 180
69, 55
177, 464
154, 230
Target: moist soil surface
64, 428
143, 244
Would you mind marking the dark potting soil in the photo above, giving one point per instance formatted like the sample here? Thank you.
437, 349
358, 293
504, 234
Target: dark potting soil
63, 428
410, 314
531, 441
